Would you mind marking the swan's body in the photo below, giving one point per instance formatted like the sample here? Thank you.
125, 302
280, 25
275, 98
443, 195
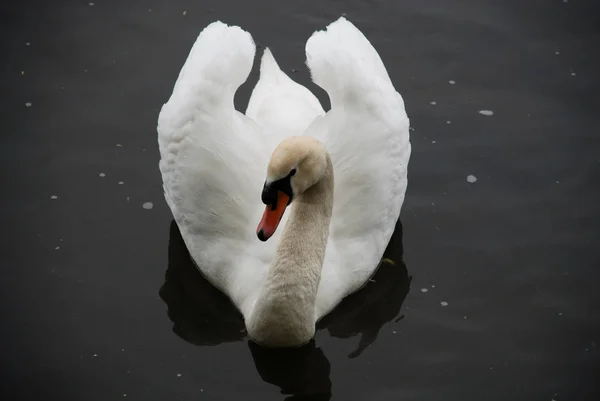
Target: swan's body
214, 161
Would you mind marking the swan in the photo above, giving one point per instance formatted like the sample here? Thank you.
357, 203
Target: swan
333, 181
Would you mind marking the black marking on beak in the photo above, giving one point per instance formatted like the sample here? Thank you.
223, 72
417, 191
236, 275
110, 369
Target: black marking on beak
269, 192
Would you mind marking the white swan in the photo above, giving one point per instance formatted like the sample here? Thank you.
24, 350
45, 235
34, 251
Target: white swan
219, 166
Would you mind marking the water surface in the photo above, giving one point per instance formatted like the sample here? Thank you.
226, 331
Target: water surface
493, 289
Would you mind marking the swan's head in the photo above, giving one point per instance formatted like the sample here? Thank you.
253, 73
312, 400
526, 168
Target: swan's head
297, 164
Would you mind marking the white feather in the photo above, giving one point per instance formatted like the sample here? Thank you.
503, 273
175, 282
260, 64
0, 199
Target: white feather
213, 158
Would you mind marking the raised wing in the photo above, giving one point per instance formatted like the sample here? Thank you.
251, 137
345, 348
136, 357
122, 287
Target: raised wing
367, 134
212, 161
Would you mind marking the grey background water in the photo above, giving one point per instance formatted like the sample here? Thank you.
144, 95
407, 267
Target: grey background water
90, 311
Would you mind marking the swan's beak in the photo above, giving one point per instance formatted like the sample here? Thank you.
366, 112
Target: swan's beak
272, 216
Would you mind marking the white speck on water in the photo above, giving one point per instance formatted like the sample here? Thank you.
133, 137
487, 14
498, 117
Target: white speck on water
448, 122
144, 149
573, 74
432, 141
148, 205
559, 313
433, 103
123, 349
464, 317
128, 199
27, 43
120, 183
95, 355
53, 197
424, 290
411, 129
124, 394
393, 331
185, 12
558, 182
118, 145
444, 303
433, 286
61, 240
486, 112
27, 104
102, 175
178, 374
91, 4
451, 82
557, 53
57, 248
471, 179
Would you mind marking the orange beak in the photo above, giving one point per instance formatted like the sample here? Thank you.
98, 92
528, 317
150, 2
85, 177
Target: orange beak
271, 217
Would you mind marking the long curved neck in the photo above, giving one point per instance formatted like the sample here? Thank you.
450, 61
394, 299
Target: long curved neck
284, 313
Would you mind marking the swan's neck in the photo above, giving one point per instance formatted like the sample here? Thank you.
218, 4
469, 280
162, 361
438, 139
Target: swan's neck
284, 313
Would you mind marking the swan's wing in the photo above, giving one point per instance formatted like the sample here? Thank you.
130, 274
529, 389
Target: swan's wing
212, 158
367, 134
281, 103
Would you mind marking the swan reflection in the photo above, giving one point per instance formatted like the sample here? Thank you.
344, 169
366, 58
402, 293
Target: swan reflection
204, 316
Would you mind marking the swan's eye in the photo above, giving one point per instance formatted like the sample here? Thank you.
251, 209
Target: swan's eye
292, 172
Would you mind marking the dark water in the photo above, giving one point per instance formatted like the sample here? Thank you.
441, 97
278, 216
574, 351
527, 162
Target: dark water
118, 311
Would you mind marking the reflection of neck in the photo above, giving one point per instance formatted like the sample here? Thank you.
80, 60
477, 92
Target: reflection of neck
301, 372
284, 313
